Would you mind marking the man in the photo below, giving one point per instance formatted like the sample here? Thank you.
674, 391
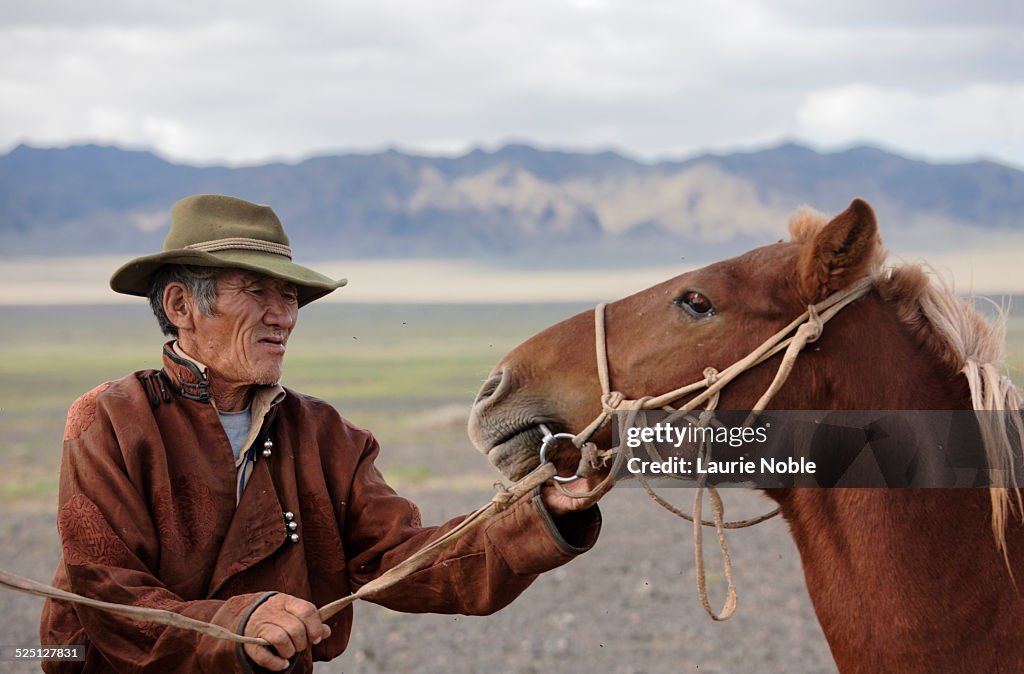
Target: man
207, 489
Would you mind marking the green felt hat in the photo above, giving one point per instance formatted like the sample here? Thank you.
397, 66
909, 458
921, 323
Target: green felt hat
212, 230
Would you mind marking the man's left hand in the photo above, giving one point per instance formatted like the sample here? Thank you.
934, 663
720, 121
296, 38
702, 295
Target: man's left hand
558, 503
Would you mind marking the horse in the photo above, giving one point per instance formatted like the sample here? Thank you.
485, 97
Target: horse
908, 580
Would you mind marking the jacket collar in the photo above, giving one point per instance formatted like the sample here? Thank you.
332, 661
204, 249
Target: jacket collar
185, 376
191, 379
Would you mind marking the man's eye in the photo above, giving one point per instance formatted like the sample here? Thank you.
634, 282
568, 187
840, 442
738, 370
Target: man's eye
696, 304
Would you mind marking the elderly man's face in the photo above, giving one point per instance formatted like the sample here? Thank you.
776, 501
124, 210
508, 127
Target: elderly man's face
244, 343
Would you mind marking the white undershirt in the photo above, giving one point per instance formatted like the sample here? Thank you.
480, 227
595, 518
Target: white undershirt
236, 426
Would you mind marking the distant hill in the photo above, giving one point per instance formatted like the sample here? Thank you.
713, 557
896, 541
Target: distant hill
516, 203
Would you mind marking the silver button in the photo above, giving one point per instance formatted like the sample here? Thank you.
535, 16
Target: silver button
294, 538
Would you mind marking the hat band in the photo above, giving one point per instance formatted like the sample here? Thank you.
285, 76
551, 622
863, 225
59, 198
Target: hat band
242, 243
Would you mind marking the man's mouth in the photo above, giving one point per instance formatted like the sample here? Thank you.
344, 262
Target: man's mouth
274, 342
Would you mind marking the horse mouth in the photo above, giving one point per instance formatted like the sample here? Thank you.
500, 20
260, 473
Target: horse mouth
516, 452
508, 428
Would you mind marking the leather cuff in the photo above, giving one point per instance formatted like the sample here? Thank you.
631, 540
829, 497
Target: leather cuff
248, 666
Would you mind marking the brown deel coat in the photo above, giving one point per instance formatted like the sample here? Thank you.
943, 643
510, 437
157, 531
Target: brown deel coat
147, 516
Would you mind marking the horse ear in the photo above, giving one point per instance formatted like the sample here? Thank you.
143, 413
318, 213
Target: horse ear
840, 253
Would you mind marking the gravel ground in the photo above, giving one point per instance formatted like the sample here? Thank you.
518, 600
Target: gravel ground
29, 548
627, 606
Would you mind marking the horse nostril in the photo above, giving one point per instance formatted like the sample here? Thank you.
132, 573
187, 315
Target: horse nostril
489, 387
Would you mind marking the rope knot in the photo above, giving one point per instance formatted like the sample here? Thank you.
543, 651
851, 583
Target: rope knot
610, 401
591, 459
710, 376
501, 499
814, 324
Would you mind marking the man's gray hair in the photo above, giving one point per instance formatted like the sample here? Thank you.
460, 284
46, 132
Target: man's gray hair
201, 282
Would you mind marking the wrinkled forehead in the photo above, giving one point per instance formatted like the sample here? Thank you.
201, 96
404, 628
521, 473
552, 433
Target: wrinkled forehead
245, 278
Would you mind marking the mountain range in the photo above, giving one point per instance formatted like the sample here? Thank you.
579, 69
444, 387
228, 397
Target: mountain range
517, 203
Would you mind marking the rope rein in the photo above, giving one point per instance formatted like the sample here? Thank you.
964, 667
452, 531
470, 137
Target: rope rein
807, 327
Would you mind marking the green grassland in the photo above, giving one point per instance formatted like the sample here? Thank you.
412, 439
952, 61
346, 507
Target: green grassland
407, 372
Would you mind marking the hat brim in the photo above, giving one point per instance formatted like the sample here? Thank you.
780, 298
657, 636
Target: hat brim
136, 277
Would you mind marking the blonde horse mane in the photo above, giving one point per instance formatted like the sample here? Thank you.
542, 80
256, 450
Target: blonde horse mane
954, 331
979, 348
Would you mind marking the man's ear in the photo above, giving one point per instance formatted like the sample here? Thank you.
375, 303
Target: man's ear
179, 306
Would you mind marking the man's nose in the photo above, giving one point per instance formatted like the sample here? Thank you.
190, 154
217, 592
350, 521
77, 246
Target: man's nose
280, 311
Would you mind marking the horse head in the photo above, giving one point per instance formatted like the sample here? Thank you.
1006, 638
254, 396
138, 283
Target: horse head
671, 333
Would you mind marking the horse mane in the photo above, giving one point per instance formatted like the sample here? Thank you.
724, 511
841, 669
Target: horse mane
952, 330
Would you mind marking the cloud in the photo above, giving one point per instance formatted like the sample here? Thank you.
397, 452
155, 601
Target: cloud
977, 120
233, 81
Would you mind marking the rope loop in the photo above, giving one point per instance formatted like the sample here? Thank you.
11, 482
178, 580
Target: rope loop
718, 514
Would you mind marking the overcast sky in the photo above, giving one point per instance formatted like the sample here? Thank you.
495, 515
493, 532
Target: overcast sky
242, 81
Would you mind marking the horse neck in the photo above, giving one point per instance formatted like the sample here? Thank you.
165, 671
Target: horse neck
908, 579
901, 579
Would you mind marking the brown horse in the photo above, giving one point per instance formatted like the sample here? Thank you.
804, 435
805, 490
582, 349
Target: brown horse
902, 580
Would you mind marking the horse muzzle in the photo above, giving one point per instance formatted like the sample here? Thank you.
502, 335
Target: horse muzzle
505, 424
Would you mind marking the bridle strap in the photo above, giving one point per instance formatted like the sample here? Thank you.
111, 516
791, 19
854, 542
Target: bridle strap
601, 347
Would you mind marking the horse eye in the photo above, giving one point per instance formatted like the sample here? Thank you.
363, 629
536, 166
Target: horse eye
697, 304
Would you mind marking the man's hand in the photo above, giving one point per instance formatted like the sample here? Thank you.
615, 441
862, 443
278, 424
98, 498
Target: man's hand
558, 503
290, 624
